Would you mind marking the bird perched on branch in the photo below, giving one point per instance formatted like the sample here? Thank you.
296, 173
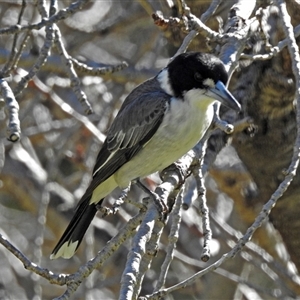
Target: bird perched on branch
159, 121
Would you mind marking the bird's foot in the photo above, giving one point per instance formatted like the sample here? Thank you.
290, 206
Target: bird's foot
160, 205
104, 210
120, 200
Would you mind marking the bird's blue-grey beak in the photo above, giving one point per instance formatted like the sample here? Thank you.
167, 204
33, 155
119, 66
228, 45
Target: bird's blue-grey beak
221, 93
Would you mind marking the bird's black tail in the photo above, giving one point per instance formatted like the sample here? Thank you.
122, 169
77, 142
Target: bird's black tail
73, 235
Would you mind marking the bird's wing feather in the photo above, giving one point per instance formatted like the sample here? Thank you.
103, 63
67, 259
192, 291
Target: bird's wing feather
135, 121
132, 128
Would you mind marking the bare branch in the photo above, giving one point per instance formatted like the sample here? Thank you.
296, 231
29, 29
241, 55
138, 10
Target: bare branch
127, 231
274, 50
172, 238
13, 58
68, 109
130, 274
197, 25
61, 15
152, 247
210, 11
204, 211
30, 266
237, 34
13, 129
43, 56
97, 71
75, 82
223, 125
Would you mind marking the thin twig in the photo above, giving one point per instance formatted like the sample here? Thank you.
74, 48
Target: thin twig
97, 71
210, 11
222, 272
40, 233
69, 110
59, 279
61, 15
74, 280
41, 6
261, 255
21, 48
75, 82
274, 50
186, 42
14, 53
43, 56
197, 25
193, 33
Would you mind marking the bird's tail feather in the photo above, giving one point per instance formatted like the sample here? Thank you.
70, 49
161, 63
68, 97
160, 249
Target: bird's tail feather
73, 235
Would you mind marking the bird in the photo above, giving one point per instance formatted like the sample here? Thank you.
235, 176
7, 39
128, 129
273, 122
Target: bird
159, 121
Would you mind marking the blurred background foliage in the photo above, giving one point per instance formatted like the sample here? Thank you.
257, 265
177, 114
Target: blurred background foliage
45, 173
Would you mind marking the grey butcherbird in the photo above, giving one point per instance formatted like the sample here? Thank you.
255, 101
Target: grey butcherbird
159, 121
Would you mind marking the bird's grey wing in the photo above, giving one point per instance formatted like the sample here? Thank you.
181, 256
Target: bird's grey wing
132, 128
136, 120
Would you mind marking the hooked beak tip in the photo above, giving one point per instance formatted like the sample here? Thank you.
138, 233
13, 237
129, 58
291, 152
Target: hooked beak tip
222, 94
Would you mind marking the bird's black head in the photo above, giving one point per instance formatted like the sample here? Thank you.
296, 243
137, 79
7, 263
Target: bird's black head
192, 70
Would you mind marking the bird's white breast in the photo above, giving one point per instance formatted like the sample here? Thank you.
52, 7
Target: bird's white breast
184, 124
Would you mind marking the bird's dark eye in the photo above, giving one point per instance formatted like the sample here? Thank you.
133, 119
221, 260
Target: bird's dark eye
198, 76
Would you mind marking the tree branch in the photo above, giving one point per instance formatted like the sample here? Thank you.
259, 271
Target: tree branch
13, 130
61, 15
